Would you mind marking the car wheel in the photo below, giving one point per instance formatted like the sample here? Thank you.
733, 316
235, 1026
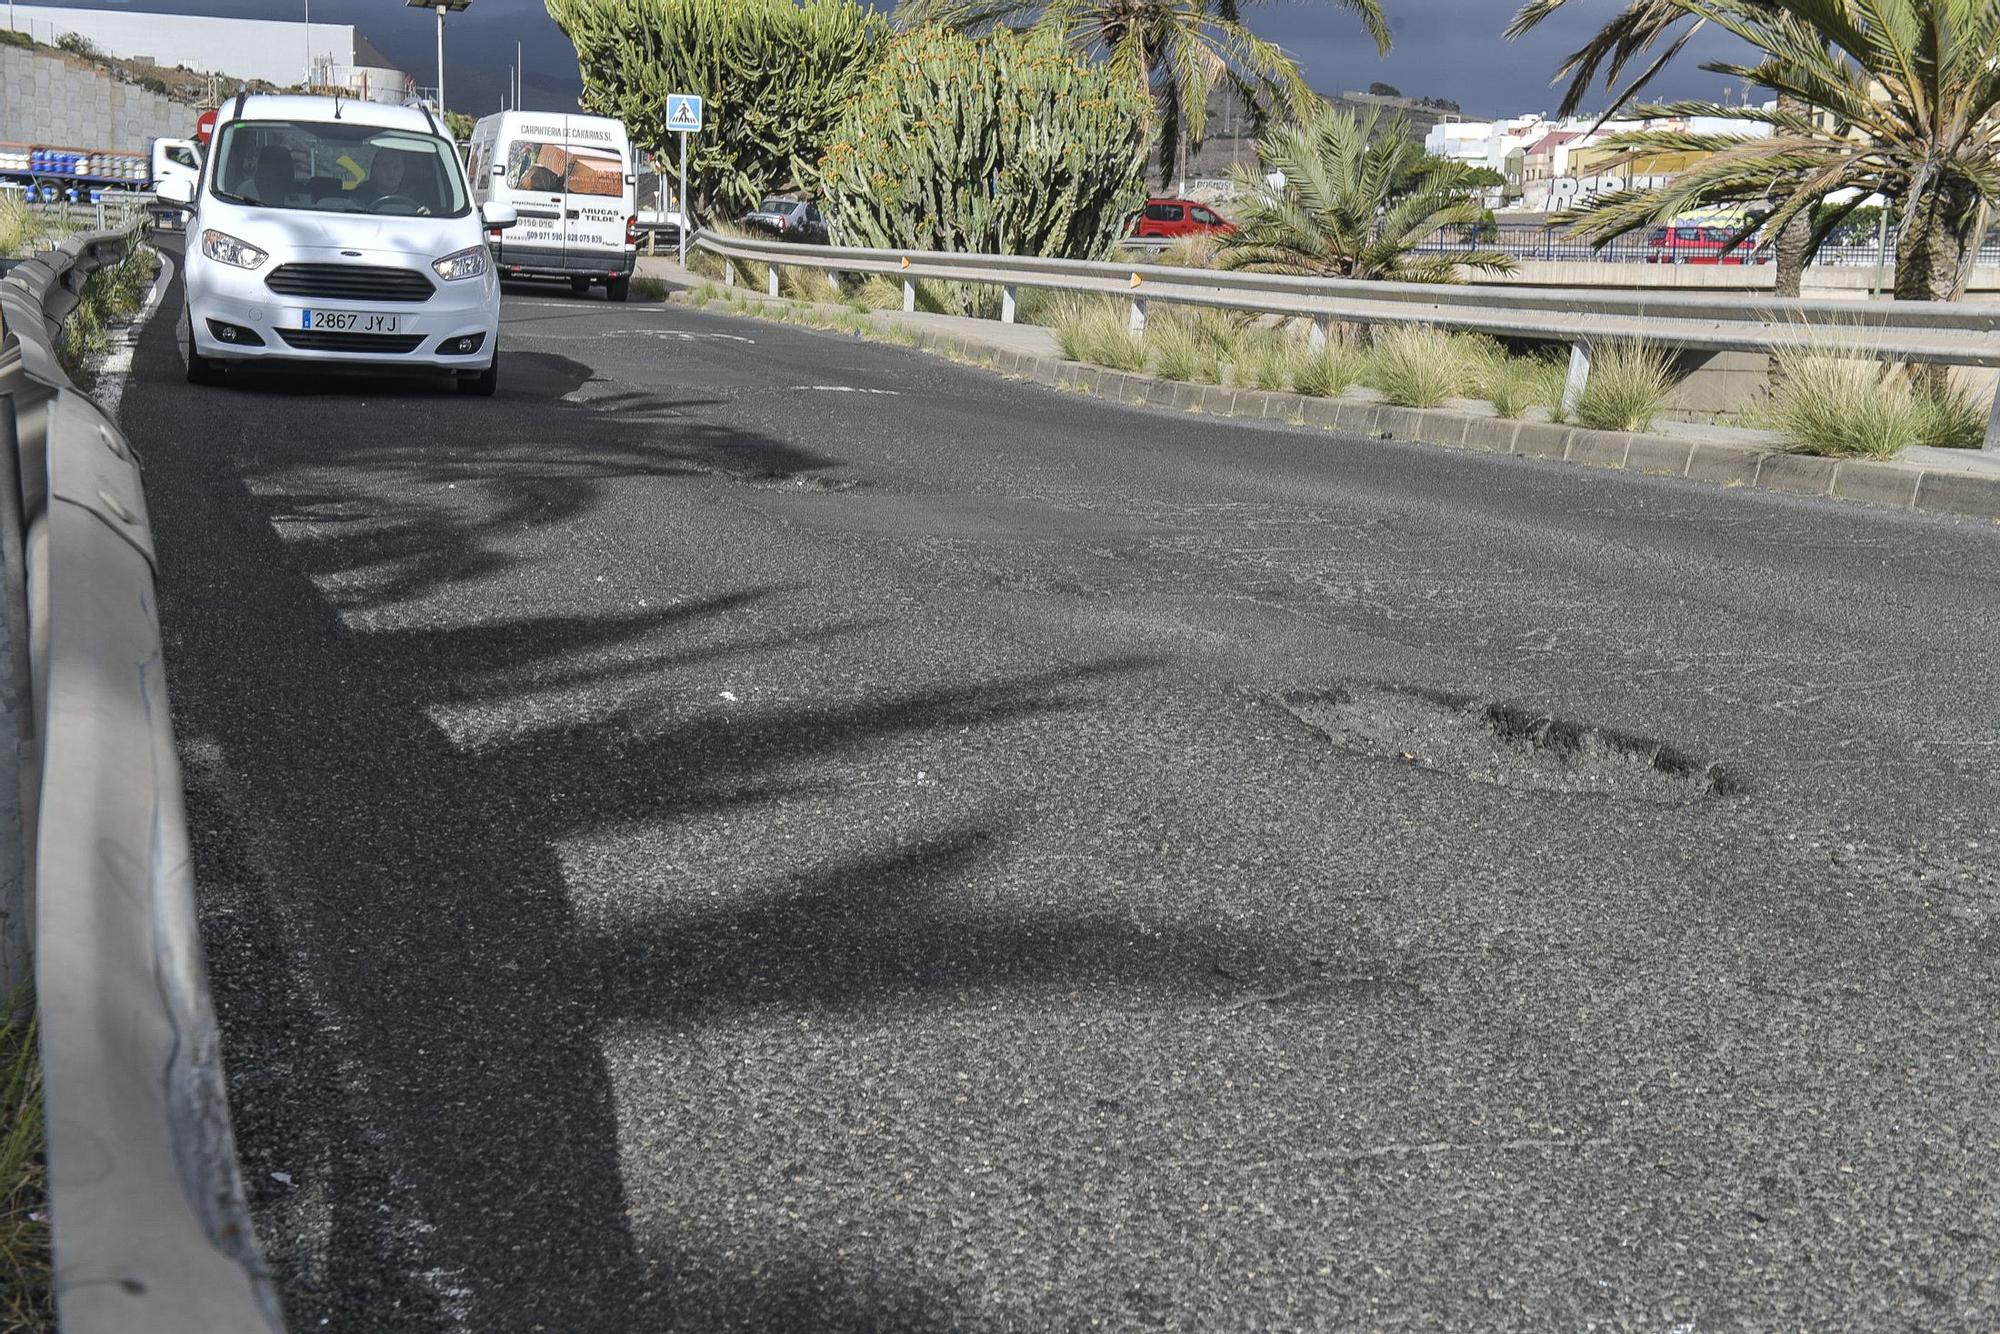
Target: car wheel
485, 383
579, 285
619, 288
200, 370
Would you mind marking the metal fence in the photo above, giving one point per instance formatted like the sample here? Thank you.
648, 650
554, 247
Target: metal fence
146, 1202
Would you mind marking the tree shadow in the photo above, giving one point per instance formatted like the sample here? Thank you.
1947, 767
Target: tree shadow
389, 916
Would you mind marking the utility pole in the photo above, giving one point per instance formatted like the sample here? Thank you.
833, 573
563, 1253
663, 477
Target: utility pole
442, 7
519, 76
309, 40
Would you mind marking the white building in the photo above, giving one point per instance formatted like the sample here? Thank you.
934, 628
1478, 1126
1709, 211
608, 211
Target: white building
278, 51
1484, 143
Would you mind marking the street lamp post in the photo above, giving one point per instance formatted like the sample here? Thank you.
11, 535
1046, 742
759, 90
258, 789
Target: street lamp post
442, 7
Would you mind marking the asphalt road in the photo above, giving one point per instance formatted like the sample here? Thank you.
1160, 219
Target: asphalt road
750, 829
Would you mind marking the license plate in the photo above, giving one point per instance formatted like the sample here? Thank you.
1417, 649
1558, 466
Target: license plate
349, 321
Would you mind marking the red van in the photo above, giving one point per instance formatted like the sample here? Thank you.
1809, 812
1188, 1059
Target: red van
1180, 217
1688, 243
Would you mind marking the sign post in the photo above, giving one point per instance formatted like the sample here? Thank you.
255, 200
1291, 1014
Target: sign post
684, 118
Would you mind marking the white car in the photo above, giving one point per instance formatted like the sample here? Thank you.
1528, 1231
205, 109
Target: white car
327, 232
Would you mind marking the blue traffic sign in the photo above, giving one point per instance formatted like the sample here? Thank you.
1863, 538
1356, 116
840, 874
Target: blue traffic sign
683, 112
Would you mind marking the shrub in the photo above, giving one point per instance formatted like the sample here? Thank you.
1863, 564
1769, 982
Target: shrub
1513, 384
1268, 359
1098, 331
1197, 251
1002, 144
1180, 351
78, 45
1628, 387
26, 1294
1843, 407
1417, 366
1326, 372
778, 75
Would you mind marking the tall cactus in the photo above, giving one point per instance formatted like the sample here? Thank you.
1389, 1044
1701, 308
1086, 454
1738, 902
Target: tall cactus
1002, 144
775, 75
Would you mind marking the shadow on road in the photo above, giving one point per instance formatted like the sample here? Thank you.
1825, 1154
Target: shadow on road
413, 1005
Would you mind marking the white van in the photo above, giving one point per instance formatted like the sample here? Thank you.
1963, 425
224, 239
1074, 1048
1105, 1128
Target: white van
572, 181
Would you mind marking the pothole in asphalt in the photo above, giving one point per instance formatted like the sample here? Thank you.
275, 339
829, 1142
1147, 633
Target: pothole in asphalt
797, 481
1507, 745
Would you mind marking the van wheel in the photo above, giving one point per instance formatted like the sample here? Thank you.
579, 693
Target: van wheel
200, 370
579, 285
485, 383
619, 288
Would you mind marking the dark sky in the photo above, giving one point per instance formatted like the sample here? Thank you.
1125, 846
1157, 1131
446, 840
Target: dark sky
1443, 48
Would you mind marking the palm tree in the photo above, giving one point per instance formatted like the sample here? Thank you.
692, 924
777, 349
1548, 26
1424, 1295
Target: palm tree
1902, 97
1176, 51
1631, 34
1356, 200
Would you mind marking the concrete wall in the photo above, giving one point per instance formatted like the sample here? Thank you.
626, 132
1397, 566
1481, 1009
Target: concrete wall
49, 99
270, 49
1825, 281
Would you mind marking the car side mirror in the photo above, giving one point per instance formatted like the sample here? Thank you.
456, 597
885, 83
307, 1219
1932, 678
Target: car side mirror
498, 217
176, 190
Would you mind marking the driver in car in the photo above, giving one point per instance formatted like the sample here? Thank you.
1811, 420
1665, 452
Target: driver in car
389, 175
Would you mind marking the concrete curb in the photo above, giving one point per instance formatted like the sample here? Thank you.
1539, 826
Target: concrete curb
1870, 481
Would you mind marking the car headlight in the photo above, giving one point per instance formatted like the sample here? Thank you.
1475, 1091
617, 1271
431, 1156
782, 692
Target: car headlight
464, 264
226, 249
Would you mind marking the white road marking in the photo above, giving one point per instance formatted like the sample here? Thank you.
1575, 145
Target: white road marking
844, 389
675, 335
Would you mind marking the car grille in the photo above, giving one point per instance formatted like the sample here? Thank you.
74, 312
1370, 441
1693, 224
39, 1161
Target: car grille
350, 282
333, 340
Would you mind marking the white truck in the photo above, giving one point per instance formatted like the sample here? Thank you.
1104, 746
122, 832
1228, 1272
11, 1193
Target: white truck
572, 181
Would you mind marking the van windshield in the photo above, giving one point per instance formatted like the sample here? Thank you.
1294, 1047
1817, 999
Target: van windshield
330, 167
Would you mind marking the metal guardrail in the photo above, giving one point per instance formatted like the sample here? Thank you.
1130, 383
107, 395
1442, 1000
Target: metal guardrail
151, 1231
1930, 332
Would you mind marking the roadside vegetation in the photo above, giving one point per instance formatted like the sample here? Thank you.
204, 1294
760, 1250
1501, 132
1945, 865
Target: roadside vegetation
1355, 197
1845, 407
27, 1302
25, 231
1409, 366
109, 296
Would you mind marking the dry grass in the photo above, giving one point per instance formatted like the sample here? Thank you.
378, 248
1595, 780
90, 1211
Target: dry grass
1513, 384
1844, 407
1628, 387
27, 1301
1098, 331
1190, 252
1329, 370
1417, 366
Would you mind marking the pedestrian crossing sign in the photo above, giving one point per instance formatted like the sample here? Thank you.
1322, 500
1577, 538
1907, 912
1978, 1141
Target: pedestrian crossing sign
683, 112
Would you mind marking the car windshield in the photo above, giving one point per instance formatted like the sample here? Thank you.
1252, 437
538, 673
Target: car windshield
331, 167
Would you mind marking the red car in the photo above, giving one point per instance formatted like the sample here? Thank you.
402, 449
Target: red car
1687, 244
1180, 217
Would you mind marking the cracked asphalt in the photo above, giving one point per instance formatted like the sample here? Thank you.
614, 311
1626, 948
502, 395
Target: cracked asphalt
755, 830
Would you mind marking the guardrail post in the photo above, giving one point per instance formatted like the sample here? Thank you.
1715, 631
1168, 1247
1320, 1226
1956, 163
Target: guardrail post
1579, 374
1138, 321
1316, 334
774, 280
1993, 420
909, 294
1007, 303
728, 272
